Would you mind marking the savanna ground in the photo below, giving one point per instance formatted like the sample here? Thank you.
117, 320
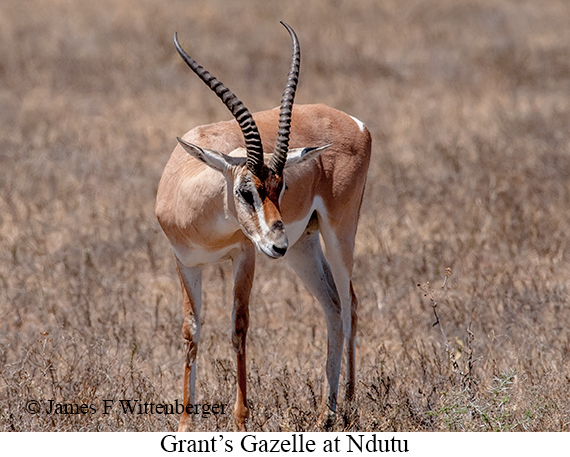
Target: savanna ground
468, 103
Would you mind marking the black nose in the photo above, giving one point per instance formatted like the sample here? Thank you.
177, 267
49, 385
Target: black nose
280, 251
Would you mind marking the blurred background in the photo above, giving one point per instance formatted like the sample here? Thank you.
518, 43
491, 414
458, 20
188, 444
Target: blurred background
468, 103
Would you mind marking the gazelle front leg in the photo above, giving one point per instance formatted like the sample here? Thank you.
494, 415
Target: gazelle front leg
191, 282
244, 269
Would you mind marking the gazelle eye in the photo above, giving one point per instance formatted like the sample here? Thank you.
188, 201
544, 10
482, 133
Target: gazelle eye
247, 196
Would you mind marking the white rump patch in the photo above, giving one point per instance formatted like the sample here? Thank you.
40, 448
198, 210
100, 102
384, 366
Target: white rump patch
360, 124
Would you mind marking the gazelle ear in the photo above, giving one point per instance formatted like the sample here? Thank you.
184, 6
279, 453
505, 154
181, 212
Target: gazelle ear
213, 159
298, 155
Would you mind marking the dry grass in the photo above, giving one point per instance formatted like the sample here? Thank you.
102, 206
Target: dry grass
469, 106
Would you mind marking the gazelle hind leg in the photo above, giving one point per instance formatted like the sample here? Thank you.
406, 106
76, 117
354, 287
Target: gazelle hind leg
307, 259
339, 250
351, 347
191, 282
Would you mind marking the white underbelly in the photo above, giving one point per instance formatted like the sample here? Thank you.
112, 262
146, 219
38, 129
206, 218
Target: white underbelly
194, 256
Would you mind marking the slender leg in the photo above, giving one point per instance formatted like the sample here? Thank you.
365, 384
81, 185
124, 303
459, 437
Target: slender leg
191, 281
307, 259
351, 347
244, 269
340, 255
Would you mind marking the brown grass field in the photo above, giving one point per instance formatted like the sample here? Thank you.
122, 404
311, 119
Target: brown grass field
468, 103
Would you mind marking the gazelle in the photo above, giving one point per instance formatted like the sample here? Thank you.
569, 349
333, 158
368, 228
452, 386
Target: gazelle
217, 199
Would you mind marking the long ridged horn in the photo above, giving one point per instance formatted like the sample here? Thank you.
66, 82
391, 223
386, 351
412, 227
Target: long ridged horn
239, 111
282, 144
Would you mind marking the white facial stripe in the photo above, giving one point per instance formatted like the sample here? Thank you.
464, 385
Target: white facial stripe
260, 214
247, 185
253, 220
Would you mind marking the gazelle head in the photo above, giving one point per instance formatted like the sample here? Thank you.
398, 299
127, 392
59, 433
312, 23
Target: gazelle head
256, 188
